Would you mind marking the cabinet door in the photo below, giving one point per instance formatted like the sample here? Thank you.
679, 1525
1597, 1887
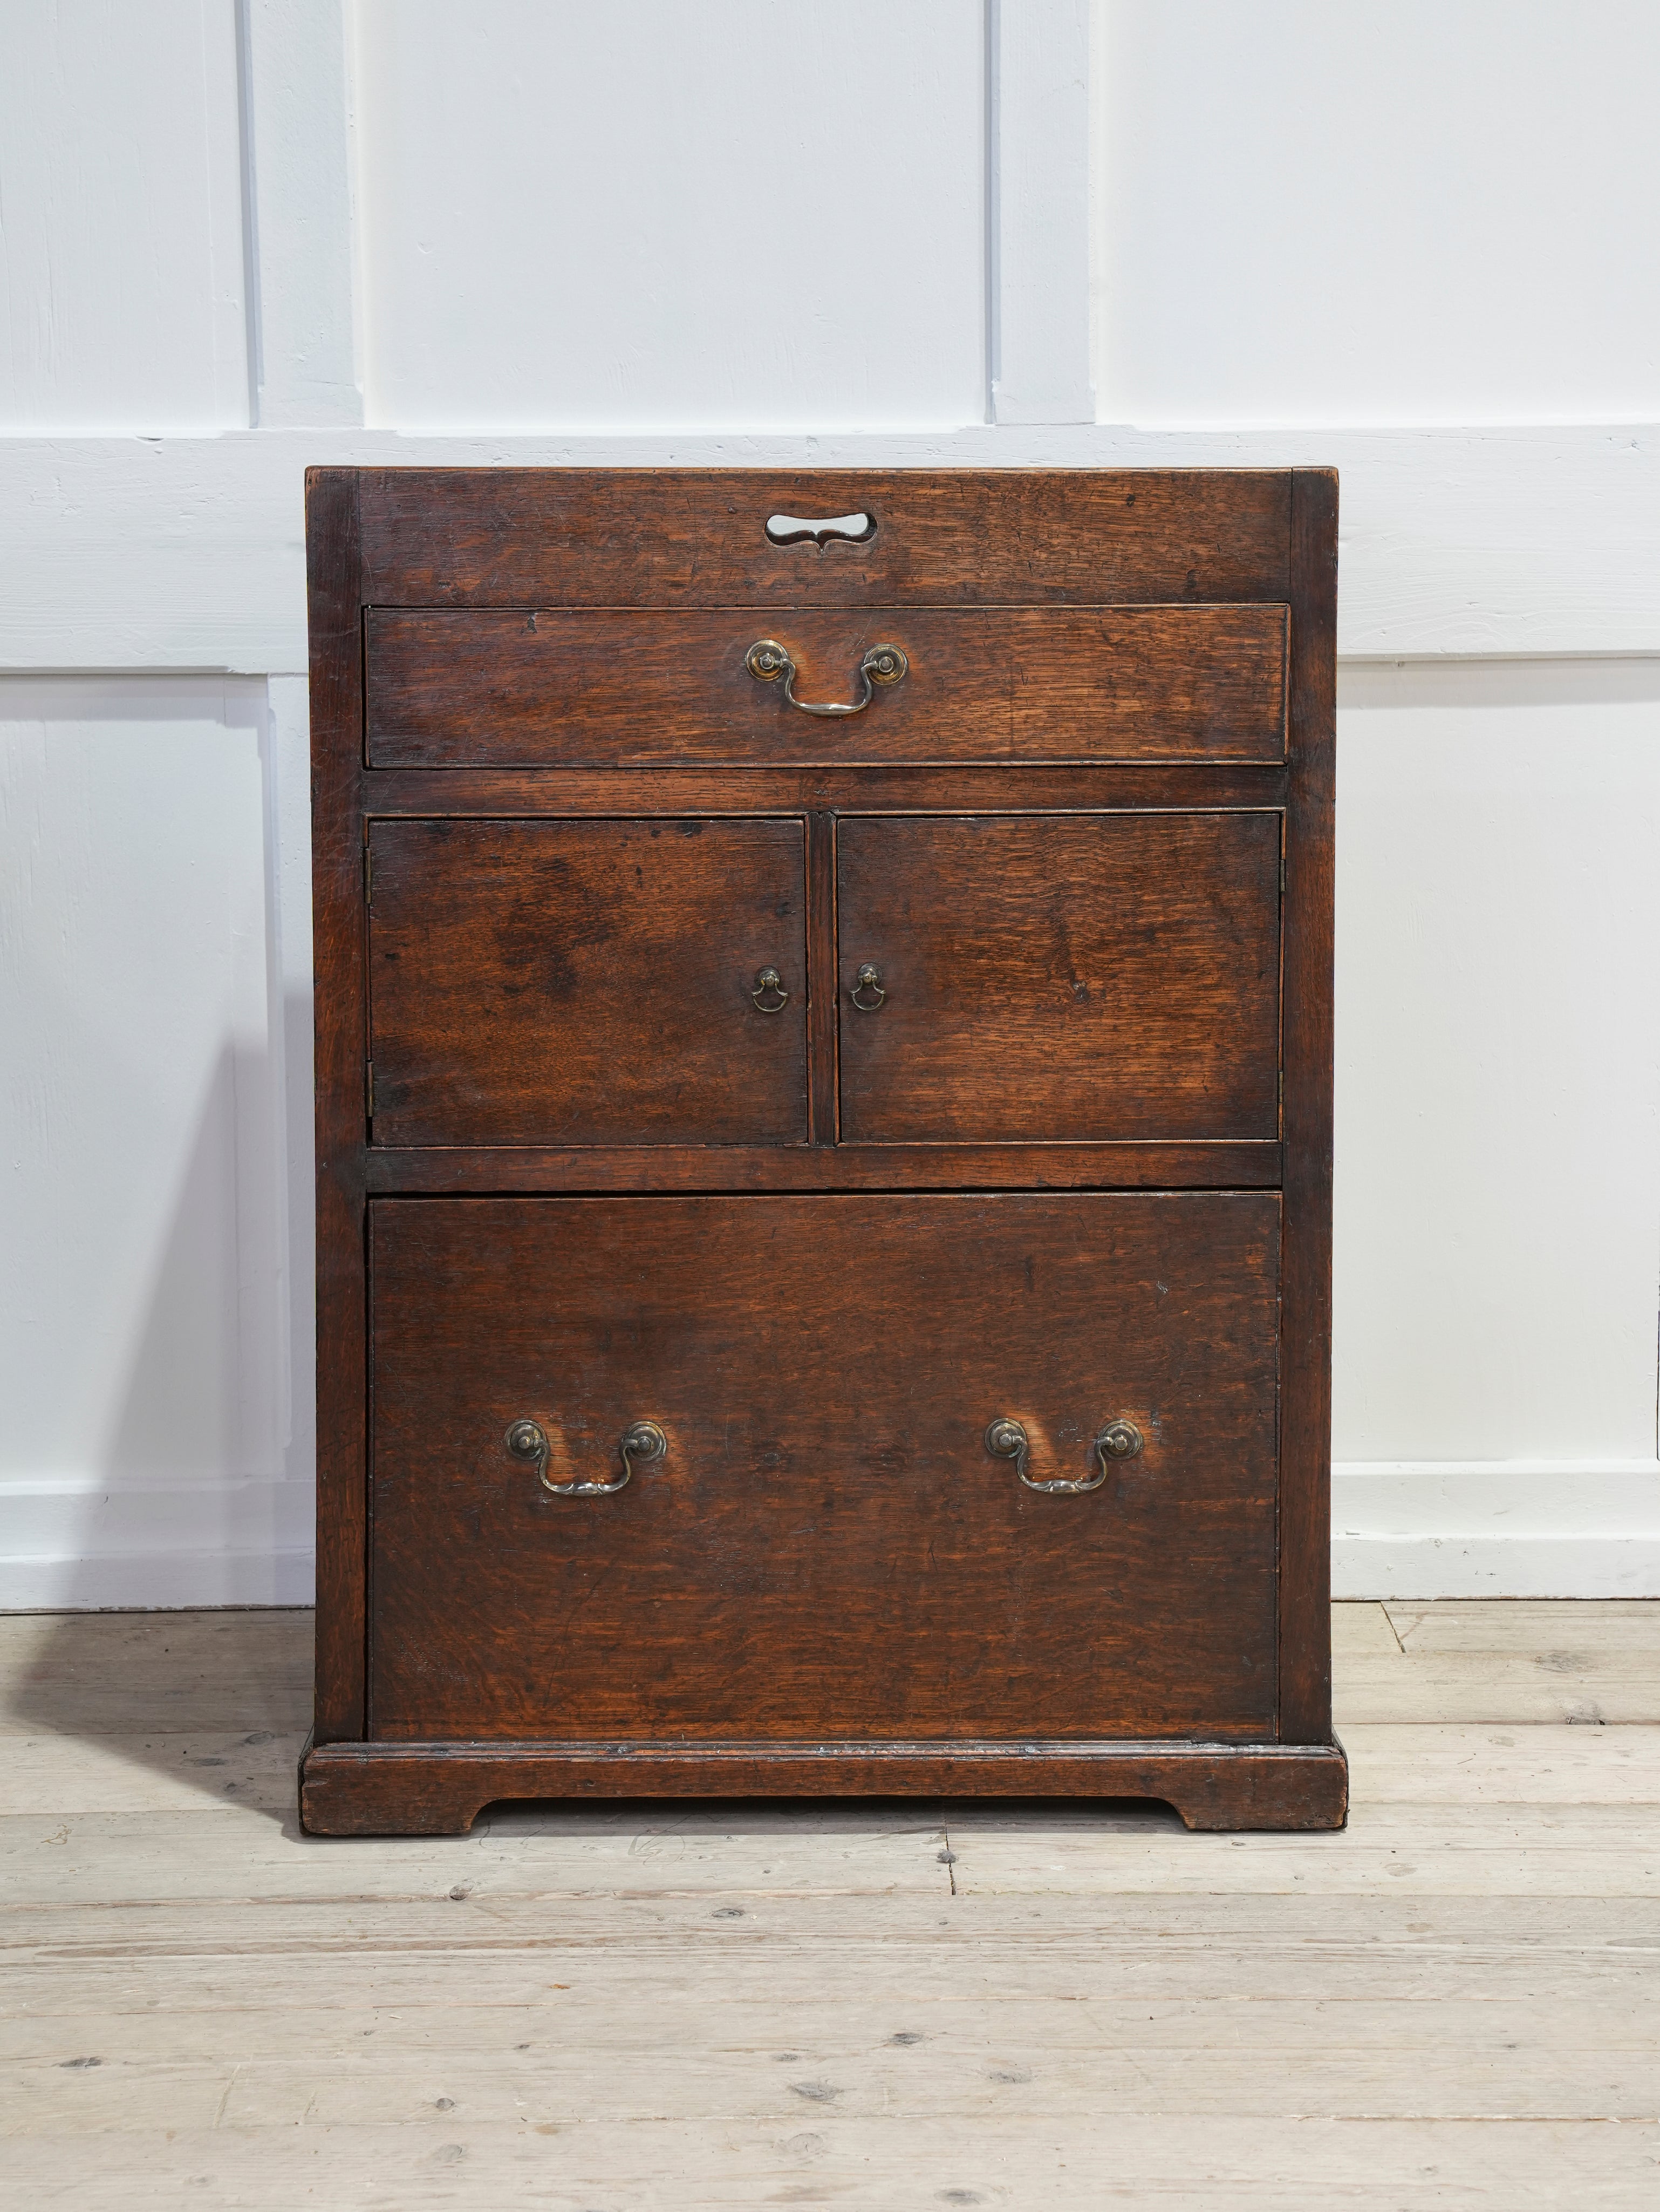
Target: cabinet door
826, 1546
1059, 977
588, 982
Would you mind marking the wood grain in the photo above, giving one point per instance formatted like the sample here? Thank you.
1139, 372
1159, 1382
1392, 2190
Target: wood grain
696, 538
828, 1551
338, 939
1310, 863
1106, 976
487, 1169
591, 688
868, 1998
588, 982
1080, 788
440, 1787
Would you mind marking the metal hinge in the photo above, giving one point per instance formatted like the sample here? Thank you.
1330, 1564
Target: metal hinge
368, 1089
368, 873
1282, 875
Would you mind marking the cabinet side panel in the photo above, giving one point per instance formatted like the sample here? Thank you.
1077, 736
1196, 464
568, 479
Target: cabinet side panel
337, 706
1305, 1345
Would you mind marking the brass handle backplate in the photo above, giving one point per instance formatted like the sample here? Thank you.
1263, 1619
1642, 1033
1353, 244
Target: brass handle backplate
769, 993
641, 1441
1007, 1439
767, 660
866, 992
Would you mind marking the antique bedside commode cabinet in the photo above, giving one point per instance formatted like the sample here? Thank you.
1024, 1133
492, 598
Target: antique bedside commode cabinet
824, 1092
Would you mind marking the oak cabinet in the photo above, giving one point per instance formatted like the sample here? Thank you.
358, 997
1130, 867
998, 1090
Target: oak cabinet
823, 1138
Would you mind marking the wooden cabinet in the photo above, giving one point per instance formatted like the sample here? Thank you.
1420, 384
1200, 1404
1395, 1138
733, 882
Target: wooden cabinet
823, 1138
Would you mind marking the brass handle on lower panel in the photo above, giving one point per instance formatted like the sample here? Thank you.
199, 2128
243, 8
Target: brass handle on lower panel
767, 660
641, 1440
1007, 1439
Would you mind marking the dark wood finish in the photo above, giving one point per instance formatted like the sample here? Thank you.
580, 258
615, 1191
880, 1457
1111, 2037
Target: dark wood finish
827, 1549
1306, 1418
600, 687
587, 982
338, 932
503, 1170
696, 538
1080, 976
822, 973
996, 561
439, 1788
463, 792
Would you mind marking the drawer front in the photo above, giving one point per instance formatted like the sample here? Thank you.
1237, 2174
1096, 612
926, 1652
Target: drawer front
825, 1547
1059, 977
587, 982
699, 537
567, 689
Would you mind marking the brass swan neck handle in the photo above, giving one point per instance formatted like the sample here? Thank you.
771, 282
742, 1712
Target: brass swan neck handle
641, 1441
767, 660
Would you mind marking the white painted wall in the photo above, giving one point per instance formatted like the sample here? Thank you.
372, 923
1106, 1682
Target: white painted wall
1326, 211
157, 1437
834, 232
1497, 1187
762, 216
121, 218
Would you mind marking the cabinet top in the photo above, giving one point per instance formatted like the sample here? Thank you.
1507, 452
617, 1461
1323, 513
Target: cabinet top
708, 537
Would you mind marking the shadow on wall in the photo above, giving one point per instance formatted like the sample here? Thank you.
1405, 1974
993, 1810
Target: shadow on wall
210, 1703
155, 1321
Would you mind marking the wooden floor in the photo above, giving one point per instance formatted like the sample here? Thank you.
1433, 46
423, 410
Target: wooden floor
1454, 2002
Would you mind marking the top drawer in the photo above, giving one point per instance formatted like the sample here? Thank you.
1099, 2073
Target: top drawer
505, 688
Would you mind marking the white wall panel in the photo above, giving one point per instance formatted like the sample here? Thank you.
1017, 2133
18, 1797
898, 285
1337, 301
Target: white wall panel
641, 214
1498, 1257
777, 232
1326, 211
145, 1335
121, 276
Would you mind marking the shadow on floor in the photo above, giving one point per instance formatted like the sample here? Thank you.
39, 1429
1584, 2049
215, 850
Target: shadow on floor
220, 1701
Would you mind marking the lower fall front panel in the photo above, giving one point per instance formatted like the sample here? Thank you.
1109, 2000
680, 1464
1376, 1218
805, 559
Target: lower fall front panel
772, 1468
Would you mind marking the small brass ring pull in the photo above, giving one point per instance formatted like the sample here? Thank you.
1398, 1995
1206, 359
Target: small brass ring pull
767, 660
869, 980
641, 1440
769, 993
1119, 1439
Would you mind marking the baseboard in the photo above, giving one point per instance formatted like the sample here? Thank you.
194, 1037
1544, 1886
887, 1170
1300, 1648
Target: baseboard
1415, 1529
1535, 1527
71, 1542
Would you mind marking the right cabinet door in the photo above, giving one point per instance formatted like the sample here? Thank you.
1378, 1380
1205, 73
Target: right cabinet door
1053, 978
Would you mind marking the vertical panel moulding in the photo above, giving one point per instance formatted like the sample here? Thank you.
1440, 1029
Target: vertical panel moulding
823, 971
1038, 205
1305, 1511
335, 593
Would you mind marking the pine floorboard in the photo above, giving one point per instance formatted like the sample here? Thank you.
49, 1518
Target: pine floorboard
607, 2008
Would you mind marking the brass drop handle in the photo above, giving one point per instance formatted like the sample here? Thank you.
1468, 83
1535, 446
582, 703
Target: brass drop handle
767, 660
866, 992
641, 1440
1007, 1439
769, 993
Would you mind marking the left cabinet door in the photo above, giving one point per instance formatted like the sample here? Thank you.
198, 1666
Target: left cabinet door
588, 982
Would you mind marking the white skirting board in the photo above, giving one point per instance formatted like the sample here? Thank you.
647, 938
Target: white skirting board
1535, 1528
71, 1544
1403, 1529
